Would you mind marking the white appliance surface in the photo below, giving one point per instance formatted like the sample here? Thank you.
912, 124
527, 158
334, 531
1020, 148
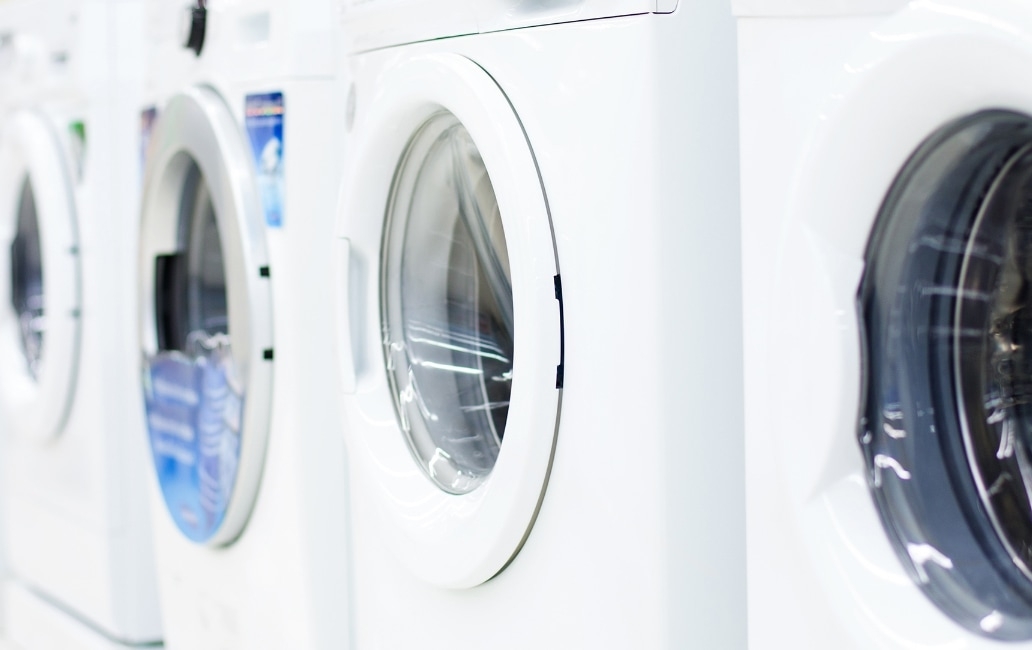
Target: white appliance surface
75, 515
271, 571
605, 507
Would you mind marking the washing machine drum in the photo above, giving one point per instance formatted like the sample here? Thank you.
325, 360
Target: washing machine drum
946, 426
39, 314
205, 317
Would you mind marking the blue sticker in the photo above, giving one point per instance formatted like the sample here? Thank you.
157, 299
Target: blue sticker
194, 411
264, 122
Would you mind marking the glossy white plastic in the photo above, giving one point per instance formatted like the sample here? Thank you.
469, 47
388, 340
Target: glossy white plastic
31, 617
373, 24
813, 8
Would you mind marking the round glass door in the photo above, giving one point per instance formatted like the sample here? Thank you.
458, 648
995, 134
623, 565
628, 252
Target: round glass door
205, 318
195, 394
455, 342
947, 425
39, 258
447, 306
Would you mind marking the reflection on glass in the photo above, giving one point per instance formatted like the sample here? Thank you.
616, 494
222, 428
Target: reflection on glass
205, 313
946, 429
447, 307
992, 356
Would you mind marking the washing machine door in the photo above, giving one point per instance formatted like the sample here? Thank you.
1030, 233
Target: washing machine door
39, 278
453, 343
205, 318
946, 428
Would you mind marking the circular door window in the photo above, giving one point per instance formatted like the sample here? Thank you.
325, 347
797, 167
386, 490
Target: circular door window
946, 426
205, 319
27, 280
458, 337
195, 396
447, 307
39, 294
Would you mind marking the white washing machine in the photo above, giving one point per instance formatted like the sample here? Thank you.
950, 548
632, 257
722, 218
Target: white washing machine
75, 513
236, 328
13, 62
885, 172
538, 325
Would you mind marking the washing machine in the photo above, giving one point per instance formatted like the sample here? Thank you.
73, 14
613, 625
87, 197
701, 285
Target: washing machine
884, 167
235, 329
13, 61
75, 514
538, 322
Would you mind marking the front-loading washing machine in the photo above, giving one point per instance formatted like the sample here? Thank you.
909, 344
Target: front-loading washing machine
235, 327
885, 175
538, 325
75, 513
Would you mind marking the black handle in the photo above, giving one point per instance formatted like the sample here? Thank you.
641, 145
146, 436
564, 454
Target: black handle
198, 25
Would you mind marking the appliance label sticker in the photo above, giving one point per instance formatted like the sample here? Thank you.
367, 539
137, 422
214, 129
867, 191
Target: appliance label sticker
194, 411
147, 119
263, 117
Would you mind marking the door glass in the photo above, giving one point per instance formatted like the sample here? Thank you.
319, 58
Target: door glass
193, 388
447, 307
27, 279
206, 313
946, 430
